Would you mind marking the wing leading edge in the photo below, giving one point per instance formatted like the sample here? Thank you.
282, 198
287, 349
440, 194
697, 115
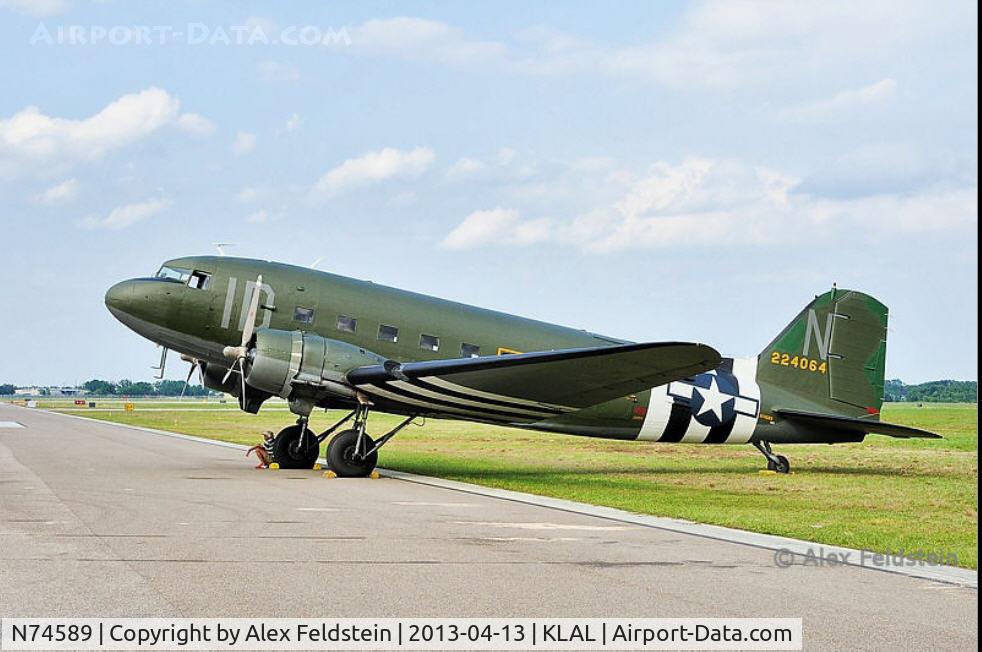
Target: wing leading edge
528, 387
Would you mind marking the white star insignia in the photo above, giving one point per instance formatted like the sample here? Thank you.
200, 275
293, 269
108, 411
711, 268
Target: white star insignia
712, 399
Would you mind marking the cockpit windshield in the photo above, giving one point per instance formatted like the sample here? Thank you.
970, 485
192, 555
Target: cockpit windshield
174, 274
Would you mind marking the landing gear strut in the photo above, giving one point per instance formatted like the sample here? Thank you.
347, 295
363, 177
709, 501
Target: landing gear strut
353, 453
350, 454
775, 462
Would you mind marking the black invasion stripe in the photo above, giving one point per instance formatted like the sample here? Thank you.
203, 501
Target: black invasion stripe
678, 422
491, 401
511, 416
726, 365
718, 434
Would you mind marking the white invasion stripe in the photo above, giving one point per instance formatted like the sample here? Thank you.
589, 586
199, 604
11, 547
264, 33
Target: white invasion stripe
423, 392
696, 433
434, 380
743, 430
398, 398
229, 299
656, 419
745, 369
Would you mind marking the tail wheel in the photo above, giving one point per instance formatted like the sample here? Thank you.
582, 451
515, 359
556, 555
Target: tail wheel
781, 464
287, 451
341, 455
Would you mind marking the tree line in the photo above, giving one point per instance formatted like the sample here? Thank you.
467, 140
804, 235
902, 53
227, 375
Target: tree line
935, 391
127, 387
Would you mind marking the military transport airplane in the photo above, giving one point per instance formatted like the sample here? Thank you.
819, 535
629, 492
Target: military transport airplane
324, 340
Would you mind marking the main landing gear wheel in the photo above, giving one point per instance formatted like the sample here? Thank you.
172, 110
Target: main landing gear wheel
288, 451
343, 459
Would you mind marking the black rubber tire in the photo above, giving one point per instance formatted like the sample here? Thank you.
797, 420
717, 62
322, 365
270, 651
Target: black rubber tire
286, 453
771, 466
340, 455
782, 465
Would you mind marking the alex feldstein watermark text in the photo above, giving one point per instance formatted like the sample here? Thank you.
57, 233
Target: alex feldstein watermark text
400, 634
820, 557
195, 34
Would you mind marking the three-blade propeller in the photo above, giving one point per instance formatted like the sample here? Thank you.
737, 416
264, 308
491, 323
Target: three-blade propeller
195, 364
239, 353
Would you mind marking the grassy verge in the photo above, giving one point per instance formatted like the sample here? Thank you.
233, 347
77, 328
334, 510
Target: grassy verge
883, 494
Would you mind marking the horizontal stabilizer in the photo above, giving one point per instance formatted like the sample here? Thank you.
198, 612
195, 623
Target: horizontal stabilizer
567, 378
854, 425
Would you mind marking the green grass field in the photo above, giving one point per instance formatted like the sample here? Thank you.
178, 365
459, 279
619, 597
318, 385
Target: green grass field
884, 494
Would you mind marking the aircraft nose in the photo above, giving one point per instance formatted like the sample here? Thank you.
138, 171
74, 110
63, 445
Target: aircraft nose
119, 296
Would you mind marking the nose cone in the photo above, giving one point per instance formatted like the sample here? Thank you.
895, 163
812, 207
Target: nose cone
119, 297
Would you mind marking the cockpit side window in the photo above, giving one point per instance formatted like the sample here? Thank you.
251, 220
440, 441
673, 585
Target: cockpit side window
174, 274
199, 280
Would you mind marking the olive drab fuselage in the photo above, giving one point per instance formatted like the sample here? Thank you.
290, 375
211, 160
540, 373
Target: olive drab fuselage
828, 362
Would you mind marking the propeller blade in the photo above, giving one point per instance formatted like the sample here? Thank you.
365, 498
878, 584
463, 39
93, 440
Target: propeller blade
250, 324
242, 392
228, 373
187, 381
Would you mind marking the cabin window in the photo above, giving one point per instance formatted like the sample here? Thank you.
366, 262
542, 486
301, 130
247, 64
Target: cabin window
347, 324
199, 280
469, 350
388, 333
429, 342
303, 315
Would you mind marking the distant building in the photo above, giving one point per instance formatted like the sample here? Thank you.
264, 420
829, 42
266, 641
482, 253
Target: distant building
66, 391
49, 391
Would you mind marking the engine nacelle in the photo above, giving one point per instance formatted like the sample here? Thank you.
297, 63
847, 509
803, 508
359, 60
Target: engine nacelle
282, 360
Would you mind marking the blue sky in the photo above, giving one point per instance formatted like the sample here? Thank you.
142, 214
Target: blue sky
691, 171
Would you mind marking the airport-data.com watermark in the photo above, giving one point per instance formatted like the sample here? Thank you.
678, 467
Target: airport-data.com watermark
820, 557
194, 34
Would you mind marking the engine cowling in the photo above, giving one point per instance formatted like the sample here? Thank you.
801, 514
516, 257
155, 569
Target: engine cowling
281, 361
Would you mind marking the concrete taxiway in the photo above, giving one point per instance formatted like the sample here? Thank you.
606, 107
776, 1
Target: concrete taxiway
102, 520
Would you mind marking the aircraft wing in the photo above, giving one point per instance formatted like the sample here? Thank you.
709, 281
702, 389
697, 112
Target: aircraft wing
539, 384
854, 425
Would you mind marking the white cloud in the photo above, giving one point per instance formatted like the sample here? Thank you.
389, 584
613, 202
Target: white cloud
248, 194
704, 202
258, 217
422, 39
374, 167
195, 124
294, 122
464, 167
727, 43
244, 143
875, 93
40, 8
128, 215
34, 136
61, 193
497, 227
715, 44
